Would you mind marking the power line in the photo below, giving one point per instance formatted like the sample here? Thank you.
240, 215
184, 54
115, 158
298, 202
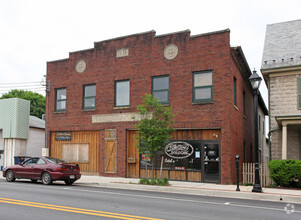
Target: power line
21, 86
35, 89
21, 83
34, 86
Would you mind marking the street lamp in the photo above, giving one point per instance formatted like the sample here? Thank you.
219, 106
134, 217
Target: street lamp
255, 81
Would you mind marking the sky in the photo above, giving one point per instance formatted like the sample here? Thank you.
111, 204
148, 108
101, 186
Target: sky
33, 32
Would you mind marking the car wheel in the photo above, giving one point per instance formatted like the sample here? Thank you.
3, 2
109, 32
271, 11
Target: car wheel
10, 176
34, 181
69, 182
46, 178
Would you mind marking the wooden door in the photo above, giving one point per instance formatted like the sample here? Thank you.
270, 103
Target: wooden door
110, 151
132, 155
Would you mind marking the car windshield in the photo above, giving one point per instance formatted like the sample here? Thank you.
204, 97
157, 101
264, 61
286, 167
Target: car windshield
54, 160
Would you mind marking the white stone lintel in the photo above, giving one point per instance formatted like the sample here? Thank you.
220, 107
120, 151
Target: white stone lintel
117, 117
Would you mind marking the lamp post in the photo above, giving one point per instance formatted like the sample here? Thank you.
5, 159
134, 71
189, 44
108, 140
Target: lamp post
255, 81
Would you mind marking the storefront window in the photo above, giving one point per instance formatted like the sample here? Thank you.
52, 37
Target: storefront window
189, 160
192, 162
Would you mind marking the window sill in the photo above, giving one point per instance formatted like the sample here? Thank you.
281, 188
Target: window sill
235, 107
89, 110
124, 107
60, 112
202, 103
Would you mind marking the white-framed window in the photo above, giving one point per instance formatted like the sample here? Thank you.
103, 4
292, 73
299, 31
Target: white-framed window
202, 86
160, 88
60, 99
122, 93
89, 96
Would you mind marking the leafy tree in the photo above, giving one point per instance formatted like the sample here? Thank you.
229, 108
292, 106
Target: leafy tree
155, 127
37, 101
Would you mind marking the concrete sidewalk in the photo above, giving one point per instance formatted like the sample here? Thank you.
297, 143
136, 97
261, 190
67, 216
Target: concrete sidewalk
193, 188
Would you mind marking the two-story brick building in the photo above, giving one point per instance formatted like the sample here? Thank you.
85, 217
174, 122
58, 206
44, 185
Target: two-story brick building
93, 97
281, 67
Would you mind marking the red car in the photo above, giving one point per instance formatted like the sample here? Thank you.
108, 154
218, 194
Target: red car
47, 169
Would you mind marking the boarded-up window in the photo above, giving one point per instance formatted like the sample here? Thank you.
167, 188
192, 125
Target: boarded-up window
75, 152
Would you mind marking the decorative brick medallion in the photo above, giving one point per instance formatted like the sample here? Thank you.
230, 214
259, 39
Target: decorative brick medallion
170, 51
80, 66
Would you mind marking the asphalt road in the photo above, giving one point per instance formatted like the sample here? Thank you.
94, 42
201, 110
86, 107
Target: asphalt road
26, 200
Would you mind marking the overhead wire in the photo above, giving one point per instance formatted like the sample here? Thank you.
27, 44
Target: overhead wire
36, 86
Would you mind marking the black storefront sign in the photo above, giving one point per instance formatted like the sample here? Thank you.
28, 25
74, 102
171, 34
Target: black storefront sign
63, 136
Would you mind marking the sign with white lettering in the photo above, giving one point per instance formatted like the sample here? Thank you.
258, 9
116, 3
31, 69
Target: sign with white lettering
63, 136
123, 52
179, 150
179, 168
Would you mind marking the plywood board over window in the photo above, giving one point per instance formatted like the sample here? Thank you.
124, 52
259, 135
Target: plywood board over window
83, 148
75, 152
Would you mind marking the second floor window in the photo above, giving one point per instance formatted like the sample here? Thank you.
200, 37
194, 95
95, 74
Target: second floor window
160, 88
122, 93
89, 97
202, 86
60, 99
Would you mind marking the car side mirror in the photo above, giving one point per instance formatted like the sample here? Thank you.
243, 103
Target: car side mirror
21, 164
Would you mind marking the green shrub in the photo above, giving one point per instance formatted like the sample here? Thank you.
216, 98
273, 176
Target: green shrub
155, 181
144, 181
165, 182
160, 182
286, 172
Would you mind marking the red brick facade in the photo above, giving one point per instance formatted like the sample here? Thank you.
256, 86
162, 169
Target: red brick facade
146, 59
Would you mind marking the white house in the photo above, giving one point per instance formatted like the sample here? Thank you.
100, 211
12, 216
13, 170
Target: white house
20, 133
